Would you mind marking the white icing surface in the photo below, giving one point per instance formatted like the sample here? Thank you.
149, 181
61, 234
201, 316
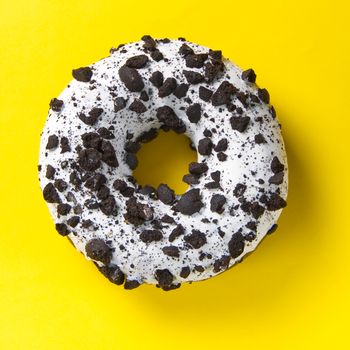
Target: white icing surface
140, 260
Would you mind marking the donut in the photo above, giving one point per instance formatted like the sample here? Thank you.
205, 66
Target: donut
143, 235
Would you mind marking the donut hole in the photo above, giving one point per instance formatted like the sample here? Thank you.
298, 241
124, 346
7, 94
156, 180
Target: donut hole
165, 160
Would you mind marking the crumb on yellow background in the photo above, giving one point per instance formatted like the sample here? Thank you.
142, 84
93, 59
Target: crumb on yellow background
292, 293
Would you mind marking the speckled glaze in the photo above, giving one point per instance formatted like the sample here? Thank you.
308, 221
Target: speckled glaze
247, 163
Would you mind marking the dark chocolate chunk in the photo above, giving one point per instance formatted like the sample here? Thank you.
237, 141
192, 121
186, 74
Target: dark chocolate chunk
157, 55
157, 79
64, 143
61, 185
168, 219
73, 221
50, 172
223, 94
103, 193
212, 70
215, 54
272, 229
105, 133
197, 168
164, 277
108, 154
239, 190
52, 142
194, 113
138, 61
236, 245
199, 268
185, 271
215, 175
249, 75
221, 146
212, 185
252, 225
176, 232
256, 210
276, 179
92, 118
167, 116
193, 77
172, 251
205, 146
82, 74
148, 236
131, 284
167, 88
165, 194
196, 60
62, 229
144, 96
95, 181
131, 160
190, 202
50, 194
108, 206
56, 104
132, 147
89, 159
149, 43
131, 79
137, 106
91, 140
205, 94
196, 239
207, 133
264, 96
239, 123
275, 202
63, 209
217, 203
222, 263
276, 165
185, 50
97, 249
137, 213
119, 104
190, 179
113, 273
181, 90
259, 138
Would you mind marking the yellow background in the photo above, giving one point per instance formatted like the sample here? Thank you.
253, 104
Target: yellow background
292, 293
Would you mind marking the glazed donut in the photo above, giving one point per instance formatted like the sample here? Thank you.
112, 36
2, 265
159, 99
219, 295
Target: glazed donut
135, 234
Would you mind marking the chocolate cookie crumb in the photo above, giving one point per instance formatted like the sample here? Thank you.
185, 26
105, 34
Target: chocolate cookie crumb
97, 249
196, 239
249, 75
236, 245
52, 142
56, 104
176, 232
171, 251
82, 74
194, 113
131, 79
148, 236
165, 194
137, 62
